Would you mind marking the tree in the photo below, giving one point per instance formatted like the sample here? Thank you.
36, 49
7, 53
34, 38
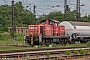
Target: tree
85, 18
21, 15
71, 16
43, 17
53, 15
56, 15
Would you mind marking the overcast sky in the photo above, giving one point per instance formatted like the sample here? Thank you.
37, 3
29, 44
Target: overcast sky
46, 6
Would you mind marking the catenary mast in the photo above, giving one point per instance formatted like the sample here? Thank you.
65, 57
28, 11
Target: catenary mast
78, 10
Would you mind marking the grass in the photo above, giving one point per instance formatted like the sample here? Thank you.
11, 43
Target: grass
77, 44
8, 45
13, 48
20, 42
19, 48
5, 39
10, 42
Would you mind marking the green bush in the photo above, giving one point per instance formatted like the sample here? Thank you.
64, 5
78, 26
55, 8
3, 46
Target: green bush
88, 43
44, 45
54, 45
86, 51
48, 53
82, 51
20, 37
4, 36
67, 52
75, 51
3, 29
39, 46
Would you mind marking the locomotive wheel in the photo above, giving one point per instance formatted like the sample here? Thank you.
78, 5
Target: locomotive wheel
73, 42
69, 42
81, 41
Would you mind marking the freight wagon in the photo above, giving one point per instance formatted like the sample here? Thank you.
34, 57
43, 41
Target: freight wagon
78, 31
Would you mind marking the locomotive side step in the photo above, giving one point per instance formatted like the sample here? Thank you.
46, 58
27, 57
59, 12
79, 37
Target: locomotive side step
55, 37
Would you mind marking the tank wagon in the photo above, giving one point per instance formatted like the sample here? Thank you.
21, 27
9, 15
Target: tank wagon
78, 31
47, 32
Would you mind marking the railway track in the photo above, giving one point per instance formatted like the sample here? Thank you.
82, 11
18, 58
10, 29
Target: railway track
41, 52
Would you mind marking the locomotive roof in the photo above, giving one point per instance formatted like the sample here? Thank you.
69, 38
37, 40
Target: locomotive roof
80, 23
56, 21
51, 20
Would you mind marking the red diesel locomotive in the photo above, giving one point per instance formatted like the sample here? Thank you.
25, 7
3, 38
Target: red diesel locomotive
47, 32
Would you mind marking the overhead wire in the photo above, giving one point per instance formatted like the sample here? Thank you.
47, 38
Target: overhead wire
47, 6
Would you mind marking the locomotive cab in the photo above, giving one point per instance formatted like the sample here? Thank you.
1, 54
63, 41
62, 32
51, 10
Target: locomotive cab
34, 33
